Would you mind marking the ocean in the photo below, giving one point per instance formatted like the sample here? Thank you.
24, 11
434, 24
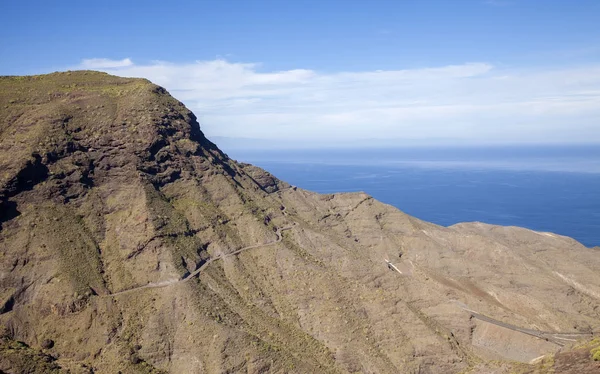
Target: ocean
554, 189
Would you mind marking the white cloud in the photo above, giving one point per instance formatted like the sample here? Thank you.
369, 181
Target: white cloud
468, 103
104, 63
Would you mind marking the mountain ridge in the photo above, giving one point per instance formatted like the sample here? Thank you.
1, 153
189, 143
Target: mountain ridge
108, 185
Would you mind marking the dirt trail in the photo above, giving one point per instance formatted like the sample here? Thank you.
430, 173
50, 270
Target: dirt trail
197, 271
558, 338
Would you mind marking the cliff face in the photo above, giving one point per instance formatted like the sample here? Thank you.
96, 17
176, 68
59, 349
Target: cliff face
129, 242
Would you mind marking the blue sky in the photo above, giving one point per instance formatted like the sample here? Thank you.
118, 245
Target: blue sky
325, 73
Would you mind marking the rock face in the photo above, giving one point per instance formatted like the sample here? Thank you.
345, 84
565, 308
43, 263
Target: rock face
129, 243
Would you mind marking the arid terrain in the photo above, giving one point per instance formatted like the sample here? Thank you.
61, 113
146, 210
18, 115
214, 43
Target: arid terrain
130, 243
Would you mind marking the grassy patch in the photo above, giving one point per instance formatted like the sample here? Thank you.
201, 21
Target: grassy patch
24, 359
174, 227
78, 252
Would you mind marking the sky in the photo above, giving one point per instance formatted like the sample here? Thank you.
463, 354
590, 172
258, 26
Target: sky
347, 73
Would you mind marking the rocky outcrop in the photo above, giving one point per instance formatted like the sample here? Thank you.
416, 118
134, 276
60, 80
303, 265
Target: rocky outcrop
133, 244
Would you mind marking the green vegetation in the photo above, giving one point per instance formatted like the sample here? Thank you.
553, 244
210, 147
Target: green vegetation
173, 227
166, 220
595, 352
78, 252
23, 359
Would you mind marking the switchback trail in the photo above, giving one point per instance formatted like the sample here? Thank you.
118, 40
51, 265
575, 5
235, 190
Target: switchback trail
197, 271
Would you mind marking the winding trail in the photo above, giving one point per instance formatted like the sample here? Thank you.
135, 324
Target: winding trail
555, 337
558, 338
199, 270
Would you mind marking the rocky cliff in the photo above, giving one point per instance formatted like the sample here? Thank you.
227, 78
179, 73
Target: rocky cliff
130, 243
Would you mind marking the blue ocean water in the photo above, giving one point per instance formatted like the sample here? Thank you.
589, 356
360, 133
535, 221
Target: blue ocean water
555, 189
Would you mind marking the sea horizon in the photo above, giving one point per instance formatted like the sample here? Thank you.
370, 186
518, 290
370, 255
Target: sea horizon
546, 188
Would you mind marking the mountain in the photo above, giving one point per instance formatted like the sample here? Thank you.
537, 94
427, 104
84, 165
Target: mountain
130, 243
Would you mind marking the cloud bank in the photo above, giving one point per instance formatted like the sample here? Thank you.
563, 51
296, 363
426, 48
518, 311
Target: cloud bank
104, 63
471, 103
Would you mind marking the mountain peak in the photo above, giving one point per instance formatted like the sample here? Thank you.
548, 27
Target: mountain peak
101, 120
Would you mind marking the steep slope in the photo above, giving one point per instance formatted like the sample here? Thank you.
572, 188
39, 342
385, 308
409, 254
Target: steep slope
129, 242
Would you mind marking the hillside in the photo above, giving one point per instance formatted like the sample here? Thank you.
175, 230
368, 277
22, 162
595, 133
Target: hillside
130, 243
